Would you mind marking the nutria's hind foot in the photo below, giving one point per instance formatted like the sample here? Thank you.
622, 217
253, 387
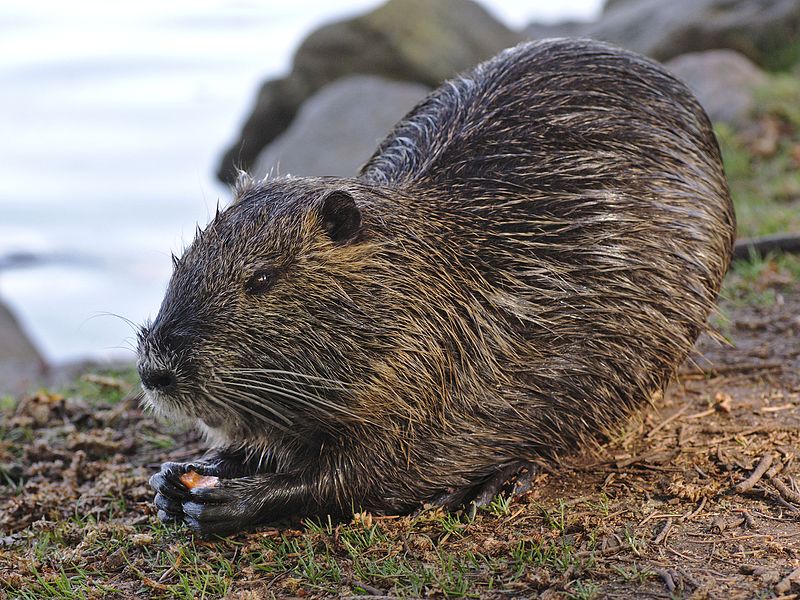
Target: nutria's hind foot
514, 480
510, 481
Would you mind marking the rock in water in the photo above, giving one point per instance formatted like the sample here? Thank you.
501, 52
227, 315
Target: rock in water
766, 31
21, 365
406, 40
724, 82
337, 129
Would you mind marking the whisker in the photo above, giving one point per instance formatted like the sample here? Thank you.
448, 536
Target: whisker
240, 403
316, 386
265, 387
125, 320
253, 400
295, 395
240, 400
280, 372
260, 418
126, 348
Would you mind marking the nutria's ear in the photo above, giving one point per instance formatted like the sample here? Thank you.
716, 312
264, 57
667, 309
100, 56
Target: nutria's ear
340, 217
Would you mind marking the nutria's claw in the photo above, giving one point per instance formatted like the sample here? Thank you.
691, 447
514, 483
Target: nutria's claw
172, 509
217, 511
211, 529
210, 510
168, 517
512, 480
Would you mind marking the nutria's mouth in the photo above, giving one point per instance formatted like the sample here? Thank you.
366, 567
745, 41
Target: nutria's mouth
162, 405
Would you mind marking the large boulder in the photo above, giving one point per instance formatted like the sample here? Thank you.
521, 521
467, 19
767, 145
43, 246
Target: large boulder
406, 40
21, 365
339, 128
542, 31
724, 82
766, 31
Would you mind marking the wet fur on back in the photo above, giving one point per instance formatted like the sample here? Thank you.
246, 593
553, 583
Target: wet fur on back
526, 259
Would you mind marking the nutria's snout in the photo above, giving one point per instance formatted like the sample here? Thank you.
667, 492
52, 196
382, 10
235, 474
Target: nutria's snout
160, 380
157, 363
171, 380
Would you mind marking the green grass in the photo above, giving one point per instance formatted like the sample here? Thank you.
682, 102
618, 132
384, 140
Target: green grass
556, 554
64, 586
765, 190
499, 507
757, 280
781, 97
417, 558
765, 187
583, 590
765, 183
555, 518
635, 573
106, 386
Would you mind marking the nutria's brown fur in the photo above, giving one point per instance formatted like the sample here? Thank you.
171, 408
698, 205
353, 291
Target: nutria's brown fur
525, 260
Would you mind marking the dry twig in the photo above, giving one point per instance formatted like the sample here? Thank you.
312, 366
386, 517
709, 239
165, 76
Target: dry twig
756, 475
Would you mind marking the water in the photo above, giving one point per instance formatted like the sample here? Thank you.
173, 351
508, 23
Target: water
112, 118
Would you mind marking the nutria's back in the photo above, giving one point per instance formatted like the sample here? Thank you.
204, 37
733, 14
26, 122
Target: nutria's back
595, 204
527, 258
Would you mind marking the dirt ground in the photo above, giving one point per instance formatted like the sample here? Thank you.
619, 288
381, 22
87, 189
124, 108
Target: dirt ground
698, 497
707, 480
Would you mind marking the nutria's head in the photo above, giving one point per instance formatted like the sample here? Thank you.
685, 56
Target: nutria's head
264, 321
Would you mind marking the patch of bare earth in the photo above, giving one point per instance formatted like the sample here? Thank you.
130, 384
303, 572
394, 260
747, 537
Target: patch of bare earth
704, 491
697, 498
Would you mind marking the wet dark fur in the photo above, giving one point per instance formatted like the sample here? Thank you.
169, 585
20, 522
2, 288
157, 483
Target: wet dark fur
524, 261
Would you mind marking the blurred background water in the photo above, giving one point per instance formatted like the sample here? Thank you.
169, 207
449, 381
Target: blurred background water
112, 118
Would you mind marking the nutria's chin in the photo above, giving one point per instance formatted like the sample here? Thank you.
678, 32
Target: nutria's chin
524, 261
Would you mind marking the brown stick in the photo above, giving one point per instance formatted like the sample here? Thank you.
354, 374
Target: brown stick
372, 591
760, 246
666, 577
785, 491
662, 535
667, 421
719, 370
756, 475
784, 586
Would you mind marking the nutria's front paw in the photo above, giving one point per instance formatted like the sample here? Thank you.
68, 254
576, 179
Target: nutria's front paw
219, 510
173, 484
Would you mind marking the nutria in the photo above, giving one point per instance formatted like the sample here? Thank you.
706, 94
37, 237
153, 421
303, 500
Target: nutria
525, 260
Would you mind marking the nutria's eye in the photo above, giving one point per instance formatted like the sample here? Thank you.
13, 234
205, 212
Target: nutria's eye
260, 282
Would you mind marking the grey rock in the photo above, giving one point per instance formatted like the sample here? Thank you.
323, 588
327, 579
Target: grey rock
63, 374
338, 128
724, 82
766, 31
538, 31
21, 365
407, 40
609, 4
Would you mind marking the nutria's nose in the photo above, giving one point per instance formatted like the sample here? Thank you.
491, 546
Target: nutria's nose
158, 379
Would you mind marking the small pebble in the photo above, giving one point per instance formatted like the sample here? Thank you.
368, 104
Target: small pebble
141, 539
